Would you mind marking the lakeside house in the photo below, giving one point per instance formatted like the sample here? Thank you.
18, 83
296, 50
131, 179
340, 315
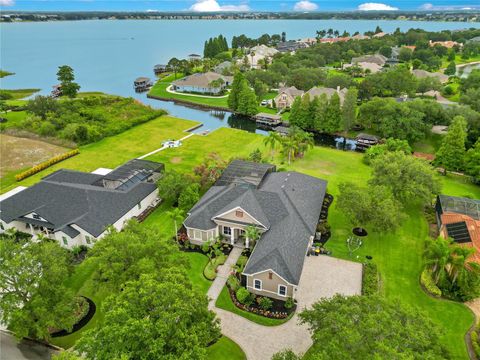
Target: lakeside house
291, 46
367, 67
319, 91
259, 53
77, 208
376, 59
285, 208
203, 83
421, 74
458, 218
286, 96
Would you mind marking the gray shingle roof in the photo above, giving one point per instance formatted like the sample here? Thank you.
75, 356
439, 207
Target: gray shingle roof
287, 203
68, 197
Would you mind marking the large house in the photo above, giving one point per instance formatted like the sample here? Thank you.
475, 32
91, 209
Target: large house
319, 91
259, 53
77, 208
376, 59
459, 219
204, 83
286, 96
283, 206
421, 74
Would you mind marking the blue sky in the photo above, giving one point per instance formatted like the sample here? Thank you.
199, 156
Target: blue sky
236, 5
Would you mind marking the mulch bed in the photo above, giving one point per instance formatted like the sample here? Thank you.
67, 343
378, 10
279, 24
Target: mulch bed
81, 323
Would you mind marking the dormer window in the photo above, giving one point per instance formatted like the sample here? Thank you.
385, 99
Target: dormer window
239, 213
36, 217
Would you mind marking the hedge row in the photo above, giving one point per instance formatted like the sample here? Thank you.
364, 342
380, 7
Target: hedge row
476, 341
429, 284
46, 164
370, 279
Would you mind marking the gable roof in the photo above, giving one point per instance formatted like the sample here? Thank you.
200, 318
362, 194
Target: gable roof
69, 197
319, 91
201, 79
291, 91
288, 204
419, 73
376, 58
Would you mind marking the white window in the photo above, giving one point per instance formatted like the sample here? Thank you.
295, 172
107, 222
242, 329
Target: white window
257, 284
65, 241
87, 239
197, 234
227, 230
282, 290
37, 217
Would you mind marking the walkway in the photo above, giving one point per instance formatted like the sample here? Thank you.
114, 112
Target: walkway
222, 276
322, 276
169, 90
162, 148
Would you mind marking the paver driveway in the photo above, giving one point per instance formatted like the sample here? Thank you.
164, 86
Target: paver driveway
322, 276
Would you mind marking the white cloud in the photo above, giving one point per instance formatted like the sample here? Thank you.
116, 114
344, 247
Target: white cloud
426, 6
214, 6
376, 7
305, 5
429, 6
7, 2
151, 11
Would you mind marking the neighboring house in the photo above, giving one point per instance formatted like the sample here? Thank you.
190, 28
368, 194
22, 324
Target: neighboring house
459, 218
474, 40
379, 35
76, 208
360, 37
421, 74
259, 53
367, 67
193, 57
319, 91
447, 44
286, 96
376, 59
309, 41
284, 206
202, 83
223, 67
290, 46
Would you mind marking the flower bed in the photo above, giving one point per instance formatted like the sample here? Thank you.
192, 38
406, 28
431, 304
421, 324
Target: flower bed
278, 310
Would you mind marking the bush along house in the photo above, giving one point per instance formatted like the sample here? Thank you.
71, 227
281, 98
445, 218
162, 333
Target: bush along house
284, 207
77, 208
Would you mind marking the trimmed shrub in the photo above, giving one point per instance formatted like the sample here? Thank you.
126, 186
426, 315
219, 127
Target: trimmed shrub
429, 284
370, 279
289, 303
244, 296
476, 342
265, 303
46, 164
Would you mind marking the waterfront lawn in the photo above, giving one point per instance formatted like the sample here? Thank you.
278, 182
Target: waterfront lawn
113, 151
225, 302
18, 93
225, 349
160, 90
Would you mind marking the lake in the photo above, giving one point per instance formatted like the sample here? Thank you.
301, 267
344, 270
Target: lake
107, 55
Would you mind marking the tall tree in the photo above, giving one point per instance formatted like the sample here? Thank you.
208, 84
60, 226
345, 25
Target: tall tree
349, 109
472, 161
174, 64
411, 180
371, 327
177, 215
451, 69
66, 77
238, 81
247, 101
272, 140
333, 115
33, 298
153, 319
451, 153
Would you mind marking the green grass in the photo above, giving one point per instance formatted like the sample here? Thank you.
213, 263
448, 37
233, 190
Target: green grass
14, 119
225, 349
20, 93
211, 267
225, 302
429, 145
160, 89
4, 73
115, 150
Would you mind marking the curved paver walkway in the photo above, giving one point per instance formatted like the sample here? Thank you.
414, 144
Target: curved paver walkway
322, 276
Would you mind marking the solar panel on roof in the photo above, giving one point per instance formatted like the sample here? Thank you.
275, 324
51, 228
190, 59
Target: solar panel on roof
459, 232
239, 171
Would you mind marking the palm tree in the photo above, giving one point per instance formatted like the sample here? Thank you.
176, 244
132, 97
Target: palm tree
252, 234
458, 261
289, 147
176, 215
252, 54
272, 140
437, 256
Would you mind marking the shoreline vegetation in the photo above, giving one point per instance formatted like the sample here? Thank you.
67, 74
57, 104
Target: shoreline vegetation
4, 73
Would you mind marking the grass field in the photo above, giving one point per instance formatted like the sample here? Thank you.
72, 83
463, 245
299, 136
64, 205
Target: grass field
225, 349
398, 255
19, 93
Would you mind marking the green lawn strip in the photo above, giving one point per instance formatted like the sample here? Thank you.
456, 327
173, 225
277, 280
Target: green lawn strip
225, 349
226, 142
113, 151
14, 119
398, 255
198, 262
19, 93
211, 267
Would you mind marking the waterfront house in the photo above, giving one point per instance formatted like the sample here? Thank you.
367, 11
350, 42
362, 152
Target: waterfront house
421, 74
286, 96
291, 46
319, 91
458, 218
284, 207
259, 53
203, 83
77, 208
376, 59
367, 67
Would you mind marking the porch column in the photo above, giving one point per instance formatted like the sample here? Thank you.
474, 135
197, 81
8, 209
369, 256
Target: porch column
31, 229
247, 240
232, 235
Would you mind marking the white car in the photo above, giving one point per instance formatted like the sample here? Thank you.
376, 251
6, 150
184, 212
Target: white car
264, 103
172, 143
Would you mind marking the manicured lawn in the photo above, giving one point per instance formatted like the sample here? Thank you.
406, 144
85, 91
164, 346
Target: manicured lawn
225, 349
224, 302
20, 93
160, 89
429, 145
115, 150
209, 271
14, 118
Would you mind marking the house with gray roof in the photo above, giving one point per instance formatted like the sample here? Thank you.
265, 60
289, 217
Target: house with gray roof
203, 83
328, 92
283, 206
76, 208
375, 58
